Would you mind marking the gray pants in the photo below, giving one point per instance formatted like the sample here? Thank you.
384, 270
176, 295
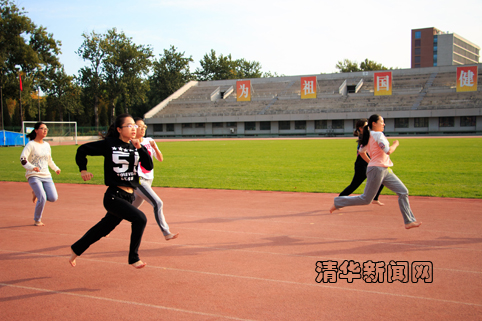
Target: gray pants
377, 176
145, 192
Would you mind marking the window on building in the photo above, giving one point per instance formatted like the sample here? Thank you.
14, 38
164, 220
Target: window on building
417, 66
199, 125
284, 125
420, 122
250, 125
232, 125
417, 43
418, 34
417, 51
435, 49
158, 127
218, 125
446, 122
401, 122
265, 125
300, 124
169, 127
435, 39
187, 125
321, 124
467, 121
417, 59
337, 124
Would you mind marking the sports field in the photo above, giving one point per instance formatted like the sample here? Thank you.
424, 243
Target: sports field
441, 167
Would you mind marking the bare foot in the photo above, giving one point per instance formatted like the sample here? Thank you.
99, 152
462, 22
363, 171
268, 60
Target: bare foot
34, 198
378, 203
333, 208
171, 236
39, 223
107, 235
139, 264
412, 225
73, 256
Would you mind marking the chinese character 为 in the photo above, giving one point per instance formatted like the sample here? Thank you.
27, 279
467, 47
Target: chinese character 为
383, 83
327, 271
308, 87
466, 78
244, 91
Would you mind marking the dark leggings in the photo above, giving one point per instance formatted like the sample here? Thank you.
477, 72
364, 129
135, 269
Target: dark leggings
118, 204
358, 179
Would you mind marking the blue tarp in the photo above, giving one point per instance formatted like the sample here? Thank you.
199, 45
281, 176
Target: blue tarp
10, 138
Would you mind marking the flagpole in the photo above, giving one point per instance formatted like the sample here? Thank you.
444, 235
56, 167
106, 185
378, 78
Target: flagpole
1, 104
21, 116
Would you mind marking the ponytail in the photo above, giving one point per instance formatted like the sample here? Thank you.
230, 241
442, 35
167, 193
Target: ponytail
366, 130
119, 121
33, 134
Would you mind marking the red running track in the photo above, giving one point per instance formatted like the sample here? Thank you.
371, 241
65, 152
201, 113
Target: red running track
241, 255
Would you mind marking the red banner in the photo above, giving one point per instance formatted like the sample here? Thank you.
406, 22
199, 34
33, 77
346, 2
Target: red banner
308, 87
382, 83
467, 78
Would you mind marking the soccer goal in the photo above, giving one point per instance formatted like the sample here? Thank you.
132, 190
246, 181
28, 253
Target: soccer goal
59, 131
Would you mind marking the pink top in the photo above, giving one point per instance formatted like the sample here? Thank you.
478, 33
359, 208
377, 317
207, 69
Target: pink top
378, 148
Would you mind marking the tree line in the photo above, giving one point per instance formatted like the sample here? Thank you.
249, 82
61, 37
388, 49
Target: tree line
119, 76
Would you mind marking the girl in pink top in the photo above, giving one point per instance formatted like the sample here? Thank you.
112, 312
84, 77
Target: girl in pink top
379, 172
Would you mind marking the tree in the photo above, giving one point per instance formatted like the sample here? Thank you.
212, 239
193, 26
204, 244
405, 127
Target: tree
170, 73
24, 48
123, 67
63, 95
224, 67
366, 65
90, 77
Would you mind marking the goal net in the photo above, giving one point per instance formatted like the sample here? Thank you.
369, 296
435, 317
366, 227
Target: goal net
60, 132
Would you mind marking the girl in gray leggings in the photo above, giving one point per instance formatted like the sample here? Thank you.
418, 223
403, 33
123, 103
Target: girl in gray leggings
379, 172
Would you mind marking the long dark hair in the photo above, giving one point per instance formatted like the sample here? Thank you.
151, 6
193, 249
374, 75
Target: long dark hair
359, 123
366, 133
32, 135
119, 121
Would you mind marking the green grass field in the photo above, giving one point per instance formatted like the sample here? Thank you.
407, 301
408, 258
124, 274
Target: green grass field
443, 167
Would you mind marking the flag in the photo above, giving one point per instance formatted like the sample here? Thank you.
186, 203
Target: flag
21, 87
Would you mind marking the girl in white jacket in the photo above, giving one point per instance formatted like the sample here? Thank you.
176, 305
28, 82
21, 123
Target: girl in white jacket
36, 158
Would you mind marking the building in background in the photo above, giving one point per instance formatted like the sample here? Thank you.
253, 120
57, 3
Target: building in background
432, 47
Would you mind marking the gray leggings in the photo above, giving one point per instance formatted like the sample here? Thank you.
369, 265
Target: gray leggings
377, 176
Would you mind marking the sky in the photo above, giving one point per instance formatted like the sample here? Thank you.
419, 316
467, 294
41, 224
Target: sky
286, 37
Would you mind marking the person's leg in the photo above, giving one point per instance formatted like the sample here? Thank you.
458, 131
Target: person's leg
375, 200
393, 183
119, 203
37, 187
50, 189
147, 193
375, 177
358, 178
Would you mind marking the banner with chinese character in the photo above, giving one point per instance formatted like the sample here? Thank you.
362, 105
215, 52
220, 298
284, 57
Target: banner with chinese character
243, 90
382, 83
308, 87
467, 78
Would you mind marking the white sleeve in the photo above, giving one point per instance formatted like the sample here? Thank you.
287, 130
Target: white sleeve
382, 141
25, 156
52, 165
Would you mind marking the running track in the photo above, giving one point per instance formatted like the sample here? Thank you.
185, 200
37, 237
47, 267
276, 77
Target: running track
241, 255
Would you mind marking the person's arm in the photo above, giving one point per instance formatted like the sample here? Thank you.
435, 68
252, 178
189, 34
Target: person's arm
51, 162
24, 158
156, 149
365, 157
144, 156
393, 147
89, 149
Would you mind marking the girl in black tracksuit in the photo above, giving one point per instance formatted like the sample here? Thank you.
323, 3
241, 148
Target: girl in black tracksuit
360, 167
122, 154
